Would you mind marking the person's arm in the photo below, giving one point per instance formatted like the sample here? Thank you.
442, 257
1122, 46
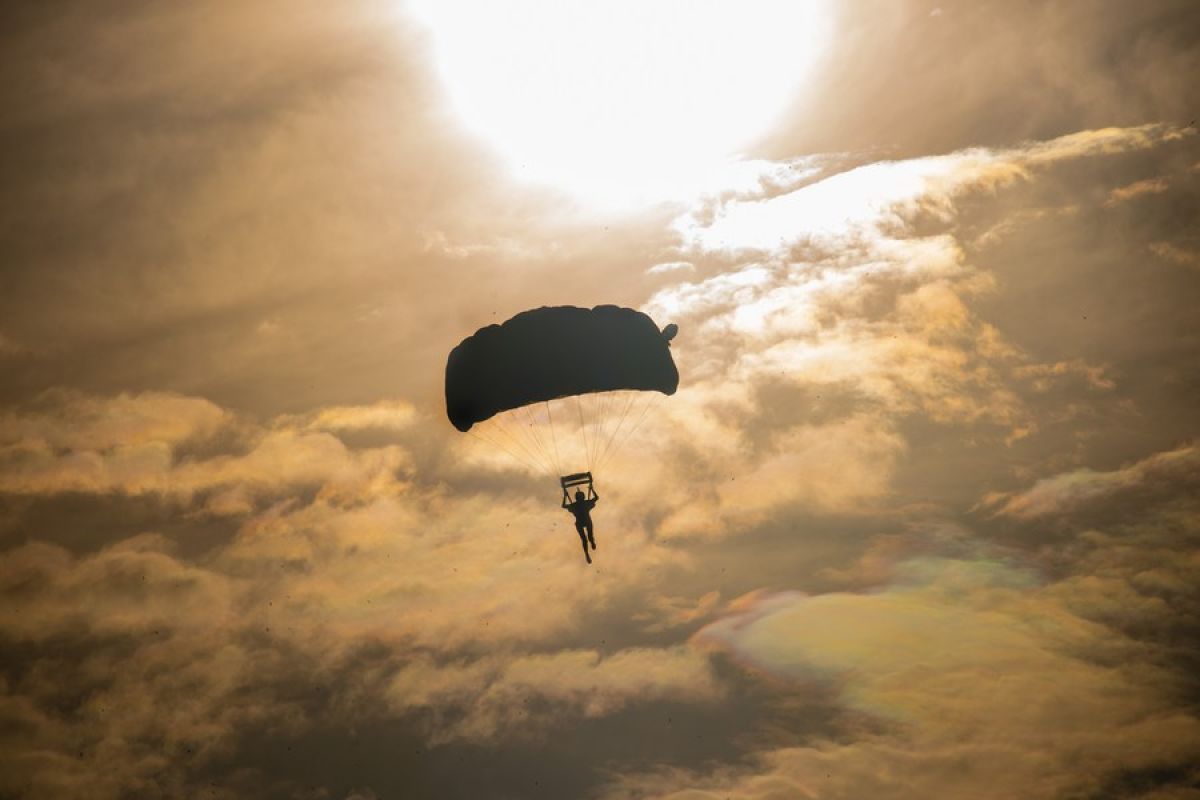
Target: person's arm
565, 498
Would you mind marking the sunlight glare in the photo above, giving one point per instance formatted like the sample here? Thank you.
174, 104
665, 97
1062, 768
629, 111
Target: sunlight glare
626, 101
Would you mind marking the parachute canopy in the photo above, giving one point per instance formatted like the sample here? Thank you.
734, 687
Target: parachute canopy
554, 352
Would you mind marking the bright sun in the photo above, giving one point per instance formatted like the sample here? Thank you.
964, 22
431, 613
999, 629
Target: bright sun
623, 102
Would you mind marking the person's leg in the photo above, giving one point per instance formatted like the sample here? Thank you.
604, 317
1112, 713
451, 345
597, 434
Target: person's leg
590, 534
584, 541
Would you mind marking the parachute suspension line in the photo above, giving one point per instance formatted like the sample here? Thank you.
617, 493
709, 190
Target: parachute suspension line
597, 424
541, 438
524, 448
517, 456
605, 402
585, 418
493, 443
629, 404
531, 422
645, 407
547, 433
652, 400
583, 433
514, 441
615, 440
611, 399
553, 437
521, 421
589, 414
534, 460
624, 413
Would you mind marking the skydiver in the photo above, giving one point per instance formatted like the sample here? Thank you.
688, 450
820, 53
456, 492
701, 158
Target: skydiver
582, 508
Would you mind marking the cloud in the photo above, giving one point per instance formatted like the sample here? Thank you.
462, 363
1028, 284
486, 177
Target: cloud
841, 467
671, 266
1136, 189
1042, 375
435, 571
182, 657
505, 697
284, 546
1069, 490
981, 681
394, 415
1176, 254
342, 518
864, 201
132, 586
863, 286
279, 460
150, 679
137, 444
1020, 218
667, 612
77, 421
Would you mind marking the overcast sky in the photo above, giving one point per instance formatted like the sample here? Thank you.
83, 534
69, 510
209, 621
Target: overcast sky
923, 519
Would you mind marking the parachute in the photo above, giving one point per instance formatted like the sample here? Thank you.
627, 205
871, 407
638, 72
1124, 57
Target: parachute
509, 383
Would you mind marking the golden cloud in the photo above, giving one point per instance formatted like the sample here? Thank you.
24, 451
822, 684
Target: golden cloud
1069, 490
985, 681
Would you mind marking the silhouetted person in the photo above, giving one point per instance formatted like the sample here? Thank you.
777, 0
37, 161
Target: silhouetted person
582, 509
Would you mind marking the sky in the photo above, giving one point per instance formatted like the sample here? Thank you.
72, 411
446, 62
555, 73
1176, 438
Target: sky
921, 521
